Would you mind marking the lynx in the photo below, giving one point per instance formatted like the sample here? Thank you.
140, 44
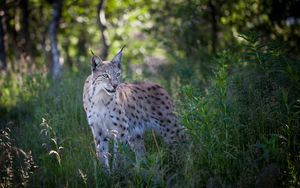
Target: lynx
123, 111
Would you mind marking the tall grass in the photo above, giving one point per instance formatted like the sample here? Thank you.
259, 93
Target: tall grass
242, 126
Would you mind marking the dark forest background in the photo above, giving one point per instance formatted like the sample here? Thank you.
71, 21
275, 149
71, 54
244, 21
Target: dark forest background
232, 67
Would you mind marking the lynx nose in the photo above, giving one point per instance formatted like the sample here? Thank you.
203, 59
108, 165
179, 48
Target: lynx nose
115, 86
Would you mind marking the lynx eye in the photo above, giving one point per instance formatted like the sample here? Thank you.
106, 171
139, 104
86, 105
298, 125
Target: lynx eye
105, 76
118, 74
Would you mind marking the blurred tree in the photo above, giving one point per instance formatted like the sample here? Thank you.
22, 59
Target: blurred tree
214, 24
102, 24
2, 46
10, 33
184, 28
285, 21
53, 27
24, 37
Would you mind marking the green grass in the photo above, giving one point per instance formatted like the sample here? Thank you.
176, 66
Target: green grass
246, 120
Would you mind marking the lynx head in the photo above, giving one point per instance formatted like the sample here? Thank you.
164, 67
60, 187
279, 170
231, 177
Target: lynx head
106, 75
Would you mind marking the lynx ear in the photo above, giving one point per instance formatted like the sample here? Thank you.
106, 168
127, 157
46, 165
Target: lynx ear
118, 58
95, 62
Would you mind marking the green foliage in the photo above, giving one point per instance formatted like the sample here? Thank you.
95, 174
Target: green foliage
242, 121
17, 92
241, 124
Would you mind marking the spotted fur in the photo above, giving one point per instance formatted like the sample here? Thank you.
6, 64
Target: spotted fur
123, 112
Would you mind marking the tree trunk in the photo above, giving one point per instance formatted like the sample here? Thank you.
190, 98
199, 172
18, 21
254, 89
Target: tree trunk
11, 35
25, 28
214, 25
102, 25
2, 46
56, 14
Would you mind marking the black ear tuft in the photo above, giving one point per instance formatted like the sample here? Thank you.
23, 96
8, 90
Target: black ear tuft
118, 58
95, 62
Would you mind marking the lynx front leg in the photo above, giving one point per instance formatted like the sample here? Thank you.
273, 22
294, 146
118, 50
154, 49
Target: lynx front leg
116, 158
102, 151
101, 143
